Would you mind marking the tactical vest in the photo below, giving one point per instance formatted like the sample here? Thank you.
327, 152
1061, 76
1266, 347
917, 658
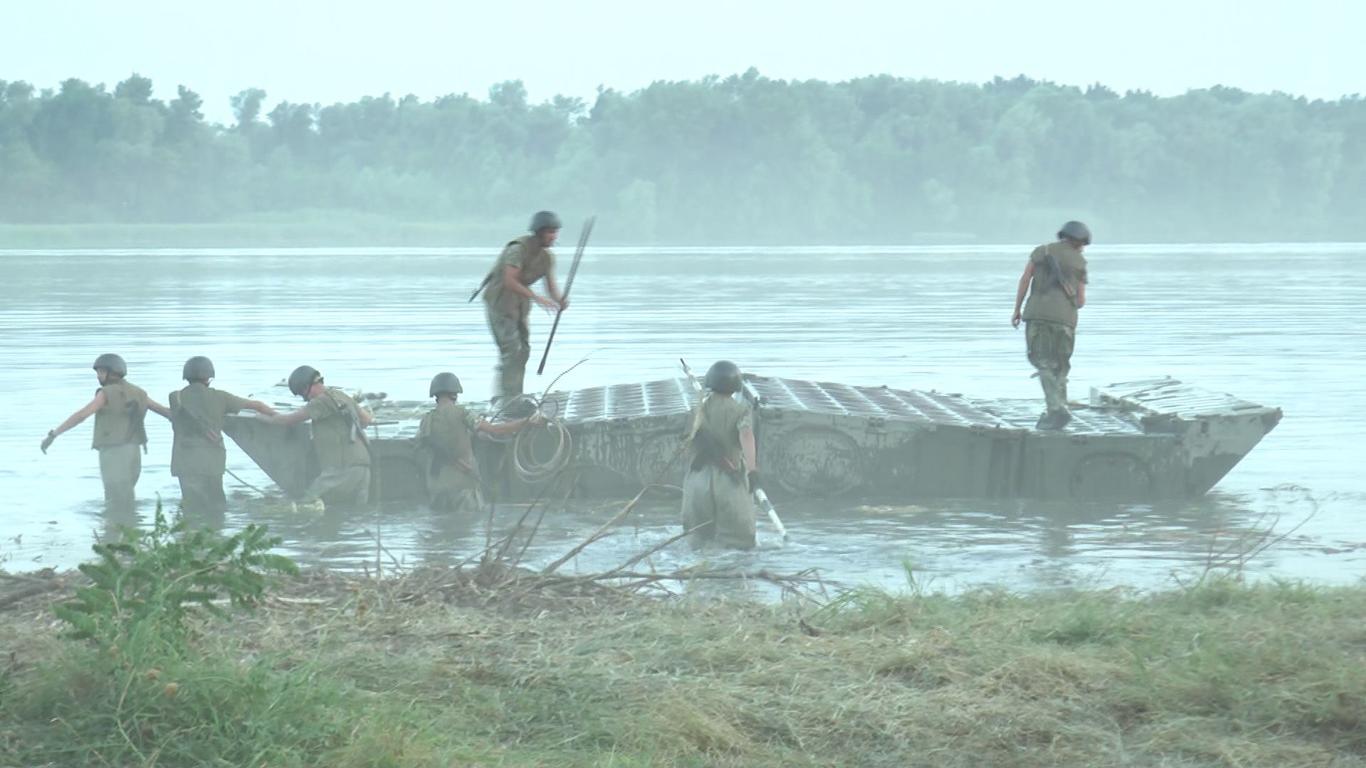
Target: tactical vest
197, 416
445, 435
1048, 301
536, 263
716, 433
338, 437
120, 421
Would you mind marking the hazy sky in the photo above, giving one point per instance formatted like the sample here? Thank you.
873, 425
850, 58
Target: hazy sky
315, 51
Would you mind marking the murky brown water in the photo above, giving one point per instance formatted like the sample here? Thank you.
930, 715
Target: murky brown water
1281, 325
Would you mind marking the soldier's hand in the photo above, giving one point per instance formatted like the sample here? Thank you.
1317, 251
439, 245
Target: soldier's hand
547, 303
47, 441
564, 303
1015, 319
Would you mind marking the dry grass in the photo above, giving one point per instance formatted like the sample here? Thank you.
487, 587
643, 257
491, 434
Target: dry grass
432, 669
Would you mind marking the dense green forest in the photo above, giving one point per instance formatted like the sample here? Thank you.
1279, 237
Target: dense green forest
735, 159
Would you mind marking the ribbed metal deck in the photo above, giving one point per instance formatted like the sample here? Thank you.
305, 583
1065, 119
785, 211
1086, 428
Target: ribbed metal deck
1167, 396
1023, 414
872, 402
666, 397
1114, 409
670, 397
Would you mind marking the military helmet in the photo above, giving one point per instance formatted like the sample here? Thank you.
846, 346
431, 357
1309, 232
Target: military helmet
1075, 230
197, 368
544, 220
724, 377
303, 378
112, 363
445, 383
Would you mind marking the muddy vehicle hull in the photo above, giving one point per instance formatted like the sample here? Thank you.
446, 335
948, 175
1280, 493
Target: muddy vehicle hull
1136, 441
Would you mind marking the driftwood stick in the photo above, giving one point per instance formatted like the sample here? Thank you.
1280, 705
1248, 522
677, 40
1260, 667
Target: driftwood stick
650, 551
598, 534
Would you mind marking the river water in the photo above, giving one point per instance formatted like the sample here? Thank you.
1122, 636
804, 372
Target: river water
1279, 325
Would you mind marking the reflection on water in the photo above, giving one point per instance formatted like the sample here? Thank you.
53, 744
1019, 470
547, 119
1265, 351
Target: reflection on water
954, 544
1275, 324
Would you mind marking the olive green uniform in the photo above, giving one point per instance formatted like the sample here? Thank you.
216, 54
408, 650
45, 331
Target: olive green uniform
119, 436
340, 446
446, 447
1050, 317
198, 457
715, 491
507, 312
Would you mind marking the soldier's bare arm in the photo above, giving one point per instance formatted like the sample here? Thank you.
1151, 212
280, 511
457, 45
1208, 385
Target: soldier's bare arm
1081, 294
366, 418
512, 281
507, 427
261, 408
1021, 290
158, 409
553, 289
289, 419
95, 404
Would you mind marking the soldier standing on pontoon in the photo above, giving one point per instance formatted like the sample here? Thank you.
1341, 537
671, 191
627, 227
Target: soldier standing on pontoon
1055, 279
508, 297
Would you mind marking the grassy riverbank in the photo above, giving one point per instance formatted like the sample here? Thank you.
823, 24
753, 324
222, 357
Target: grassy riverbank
428, 670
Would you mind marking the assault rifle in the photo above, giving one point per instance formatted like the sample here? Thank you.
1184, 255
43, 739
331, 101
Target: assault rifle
1056, 269
477, 291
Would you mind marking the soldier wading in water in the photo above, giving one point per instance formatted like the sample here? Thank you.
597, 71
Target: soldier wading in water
445, 443
508, 297
338, 440
1055, 280
723, 465
119, 408
198, 457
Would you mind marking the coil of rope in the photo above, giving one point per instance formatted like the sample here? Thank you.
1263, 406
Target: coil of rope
528, 467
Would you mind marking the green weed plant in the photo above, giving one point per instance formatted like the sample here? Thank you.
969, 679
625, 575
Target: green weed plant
146, 585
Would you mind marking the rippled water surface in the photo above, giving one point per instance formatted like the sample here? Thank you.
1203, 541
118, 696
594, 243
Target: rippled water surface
1279, 325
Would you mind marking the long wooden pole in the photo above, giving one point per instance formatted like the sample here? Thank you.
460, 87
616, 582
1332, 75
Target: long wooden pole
568, 284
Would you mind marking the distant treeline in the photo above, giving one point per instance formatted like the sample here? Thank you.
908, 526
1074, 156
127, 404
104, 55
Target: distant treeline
735, 159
